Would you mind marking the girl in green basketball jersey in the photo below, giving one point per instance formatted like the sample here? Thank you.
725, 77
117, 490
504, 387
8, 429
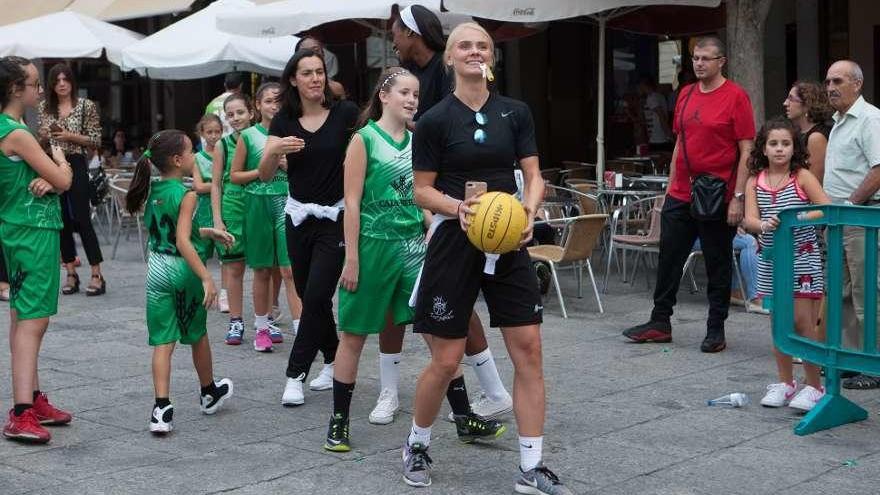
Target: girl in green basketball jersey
266, 248
30, 226
227, 204
179, 287
385, 233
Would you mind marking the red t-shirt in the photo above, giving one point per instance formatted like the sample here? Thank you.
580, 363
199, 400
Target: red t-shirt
713, 125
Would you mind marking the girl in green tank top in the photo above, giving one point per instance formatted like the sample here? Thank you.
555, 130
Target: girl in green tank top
227, 205
265, 252
30, 222
179, 287
210, 129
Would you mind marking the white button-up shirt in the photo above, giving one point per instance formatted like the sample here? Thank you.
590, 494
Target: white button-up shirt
853, 149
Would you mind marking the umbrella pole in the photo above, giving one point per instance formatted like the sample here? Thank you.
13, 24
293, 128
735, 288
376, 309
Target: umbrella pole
600, 124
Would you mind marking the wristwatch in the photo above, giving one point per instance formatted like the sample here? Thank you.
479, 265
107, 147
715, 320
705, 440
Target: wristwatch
740, 196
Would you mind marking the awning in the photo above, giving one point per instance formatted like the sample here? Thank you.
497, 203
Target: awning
17, 10
120, 10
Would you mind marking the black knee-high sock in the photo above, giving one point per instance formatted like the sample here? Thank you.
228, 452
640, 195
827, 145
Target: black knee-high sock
342, 393
457, 396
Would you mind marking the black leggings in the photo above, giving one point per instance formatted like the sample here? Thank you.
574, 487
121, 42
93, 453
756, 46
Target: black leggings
316, 249
77, 214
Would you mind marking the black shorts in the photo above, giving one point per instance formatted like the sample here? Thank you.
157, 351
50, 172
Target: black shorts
453, 276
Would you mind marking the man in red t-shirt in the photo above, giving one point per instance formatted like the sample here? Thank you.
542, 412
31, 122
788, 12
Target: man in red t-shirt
714, 131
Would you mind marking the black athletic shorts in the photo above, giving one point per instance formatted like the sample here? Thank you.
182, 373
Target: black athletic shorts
453, 276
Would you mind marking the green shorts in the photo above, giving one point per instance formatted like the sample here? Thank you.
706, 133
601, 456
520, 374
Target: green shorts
174, 301
31, 256
203, 218
232, 208
388, 273
264, 230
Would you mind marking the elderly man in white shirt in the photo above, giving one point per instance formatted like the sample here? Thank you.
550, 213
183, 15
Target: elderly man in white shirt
852, 176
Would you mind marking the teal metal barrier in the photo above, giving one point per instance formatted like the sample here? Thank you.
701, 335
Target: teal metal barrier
833, 410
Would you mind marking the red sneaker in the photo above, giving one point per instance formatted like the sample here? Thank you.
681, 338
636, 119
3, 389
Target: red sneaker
48, 414
25, 428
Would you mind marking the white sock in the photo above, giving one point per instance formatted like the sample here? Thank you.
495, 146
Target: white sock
530, 452
389, 371
296, 325
419, 435
261, 322
484, 366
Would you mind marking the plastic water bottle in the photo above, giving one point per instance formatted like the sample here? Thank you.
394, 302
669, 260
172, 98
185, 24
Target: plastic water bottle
730, 400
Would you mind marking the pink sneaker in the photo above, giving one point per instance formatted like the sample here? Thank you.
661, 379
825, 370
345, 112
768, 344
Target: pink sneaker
262, 341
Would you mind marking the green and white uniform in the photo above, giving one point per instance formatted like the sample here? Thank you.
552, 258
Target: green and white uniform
174, 292
204, 217
30, 235
232, 204
264, 204
391, 245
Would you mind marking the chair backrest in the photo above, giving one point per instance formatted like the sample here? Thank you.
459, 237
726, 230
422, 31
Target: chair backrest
551, 175
588, 201
654, 227
118, 190
583, 233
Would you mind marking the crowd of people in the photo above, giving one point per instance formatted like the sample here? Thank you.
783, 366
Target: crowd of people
305, 188
825, 150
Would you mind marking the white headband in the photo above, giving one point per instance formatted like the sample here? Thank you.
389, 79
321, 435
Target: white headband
409, 20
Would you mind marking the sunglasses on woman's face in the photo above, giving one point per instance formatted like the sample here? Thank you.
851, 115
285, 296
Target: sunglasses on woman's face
480, 134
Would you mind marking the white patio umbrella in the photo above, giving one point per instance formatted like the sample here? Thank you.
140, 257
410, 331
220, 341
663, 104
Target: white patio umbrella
551, 10
65, 35
193, 48
296, 16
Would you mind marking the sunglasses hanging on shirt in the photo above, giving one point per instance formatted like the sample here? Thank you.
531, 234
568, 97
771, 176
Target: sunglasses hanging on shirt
480, 133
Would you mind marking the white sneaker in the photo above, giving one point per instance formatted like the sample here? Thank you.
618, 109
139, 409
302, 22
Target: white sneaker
324, 380
211, 403
807, 398
491, 409
160, 419
386, 407
223, 301
779, 394
487, 408
293, 392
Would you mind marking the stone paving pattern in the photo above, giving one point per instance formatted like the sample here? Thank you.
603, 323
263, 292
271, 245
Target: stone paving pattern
622, 418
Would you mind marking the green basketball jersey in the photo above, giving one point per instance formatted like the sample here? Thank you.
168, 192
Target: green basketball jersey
160, 215
17, 205
387, 208
227, 145
254, 139
205, 162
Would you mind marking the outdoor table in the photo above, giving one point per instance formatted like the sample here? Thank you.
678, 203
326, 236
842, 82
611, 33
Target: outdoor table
608, 197
640, 160
650, 180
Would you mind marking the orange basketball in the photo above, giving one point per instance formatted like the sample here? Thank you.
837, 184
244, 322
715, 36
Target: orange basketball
497, 225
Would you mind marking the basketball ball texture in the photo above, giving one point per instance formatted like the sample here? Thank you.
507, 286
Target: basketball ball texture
497, 225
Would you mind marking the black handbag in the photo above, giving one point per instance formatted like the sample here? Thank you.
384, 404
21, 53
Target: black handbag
708, 192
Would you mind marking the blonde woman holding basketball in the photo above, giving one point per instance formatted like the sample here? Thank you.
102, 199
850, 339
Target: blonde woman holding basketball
475, 135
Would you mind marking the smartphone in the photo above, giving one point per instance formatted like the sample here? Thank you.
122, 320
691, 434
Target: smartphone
54, 127
474, 188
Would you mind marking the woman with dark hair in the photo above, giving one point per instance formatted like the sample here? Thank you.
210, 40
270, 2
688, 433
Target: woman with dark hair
418, 40
309, 42
72, 123
312, 129
807, 107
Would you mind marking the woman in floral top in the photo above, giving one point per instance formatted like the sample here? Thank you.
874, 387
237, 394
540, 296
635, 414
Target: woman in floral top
72, 123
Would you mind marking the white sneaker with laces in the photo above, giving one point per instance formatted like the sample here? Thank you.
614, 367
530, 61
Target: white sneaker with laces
324, 380
293, 392
223, 301
807, 398
779, 394
160, 419
386, 408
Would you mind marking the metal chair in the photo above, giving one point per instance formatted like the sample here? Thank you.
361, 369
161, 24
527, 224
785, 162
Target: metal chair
640, 243
579, 241
118, 190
